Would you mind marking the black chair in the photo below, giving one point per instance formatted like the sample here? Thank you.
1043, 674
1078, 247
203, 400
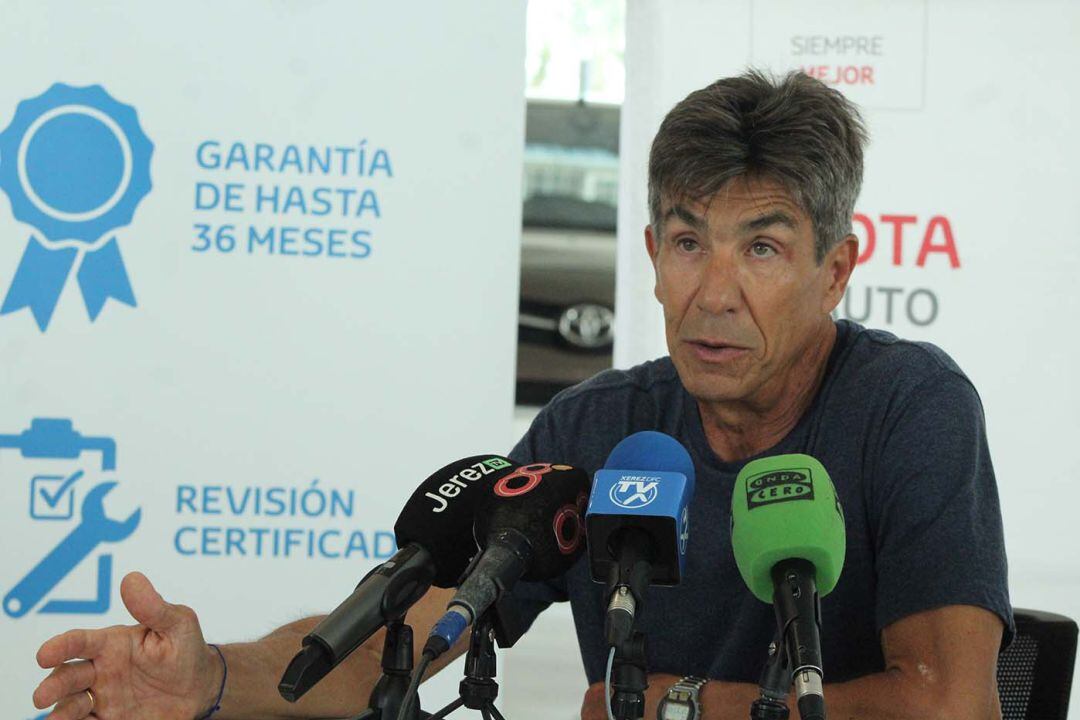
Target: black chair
1035, 672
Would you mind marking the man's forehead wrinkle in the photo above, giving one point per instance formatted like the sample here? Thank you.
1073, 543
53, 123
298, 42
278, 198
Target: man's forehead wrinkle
759, 201
771, 203
765, 194
774, 217
682, 213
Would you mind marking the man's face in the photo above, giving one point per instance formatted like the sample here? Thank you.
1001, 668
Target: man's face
743, 294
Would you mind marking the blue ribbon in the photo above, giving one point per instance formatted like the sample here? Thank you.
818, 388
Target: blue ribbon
45, 267
102, 276
42, 272
38, 281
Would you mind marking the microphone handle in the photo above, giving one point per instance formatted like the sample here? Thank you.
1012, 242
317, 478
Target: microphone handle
798, 617
383, 595
503, 561
628, 577
812, 706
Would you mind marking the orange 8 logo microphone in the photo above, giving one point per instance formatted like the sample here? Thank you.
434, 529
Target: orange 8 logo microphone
532, 475
567, 522
569, 529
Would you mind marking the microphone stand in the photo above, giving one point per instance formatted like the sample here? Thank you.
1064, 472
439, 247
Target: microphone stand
397, 666
774, 685
478, 689
629, 679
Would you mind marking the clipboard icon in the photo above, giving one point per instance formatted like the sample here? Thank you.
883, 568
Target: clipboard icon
53, 498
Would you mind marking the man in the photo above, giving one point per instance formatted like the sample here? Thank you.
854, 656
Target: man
752, 185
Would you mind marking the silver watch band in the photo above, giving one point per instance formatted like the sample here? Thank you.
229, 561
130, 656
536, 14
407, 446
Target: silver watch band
687, 691
691, 683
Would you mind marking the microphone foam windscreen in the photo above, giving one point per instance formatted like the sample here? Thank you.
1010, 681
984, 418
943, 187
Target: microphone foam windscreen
649, 450
545, 502
785, 507
439, 515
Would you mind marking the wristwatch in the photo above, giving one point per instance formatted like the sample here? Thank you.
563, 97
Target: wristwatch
683, 700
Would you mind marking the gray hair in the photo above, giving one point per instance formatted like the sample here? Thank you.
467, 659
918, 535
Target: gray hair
793, 130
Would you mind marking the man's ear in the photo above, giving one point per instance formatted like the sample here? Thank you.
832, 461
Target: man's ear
839, 264
652, 246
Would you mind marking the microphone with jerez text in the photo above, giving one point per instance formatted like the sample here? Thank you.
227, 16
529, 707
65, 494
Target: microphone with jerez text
638, 523
788, 535
529, 527
435, 534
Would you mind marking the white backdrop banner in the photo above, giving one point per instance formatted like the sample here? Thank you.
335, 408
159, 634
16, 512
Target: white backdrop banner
971, 174
258, 270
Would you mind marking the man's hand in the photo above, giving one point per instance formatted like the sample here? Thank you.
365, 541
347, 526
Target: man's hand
161, 668
592, 707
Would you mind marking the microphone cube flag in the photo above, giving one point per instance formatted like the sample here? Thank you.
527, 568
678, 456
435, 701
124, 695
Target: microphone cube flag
646, 485
653, 501
785, 507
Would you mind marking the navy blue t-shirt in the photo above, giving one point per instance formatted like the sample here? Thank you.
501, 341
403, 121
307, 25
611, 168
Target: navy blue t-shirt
900, 430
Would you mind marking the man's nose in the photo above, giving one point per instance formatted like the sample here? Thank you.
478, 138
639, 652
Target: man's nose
720, 291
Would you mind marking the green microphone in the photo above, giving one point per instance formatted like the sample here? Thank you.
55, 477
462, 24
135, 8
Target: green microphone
788, 535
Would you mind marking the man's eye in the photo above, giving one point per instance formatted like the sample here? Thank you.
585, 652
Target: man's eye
686, 244
760, 249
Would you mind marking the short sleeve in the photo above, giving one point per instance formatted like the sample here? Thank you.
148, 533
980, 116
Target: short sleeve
935, 509
538, 444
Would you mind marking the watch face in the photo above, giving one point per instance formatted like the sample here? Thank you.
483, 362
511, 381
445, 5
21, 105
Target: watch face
677, 711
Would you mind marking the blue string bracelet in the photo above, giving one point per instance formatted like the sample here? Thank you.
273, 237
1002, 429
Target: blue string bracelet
221, 692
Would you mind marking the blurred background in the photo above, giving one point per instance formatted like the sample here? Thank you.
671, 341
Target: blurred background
575, 76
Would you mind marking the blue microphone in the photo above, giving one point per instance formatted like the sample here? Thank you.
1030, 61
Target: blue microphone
638, 523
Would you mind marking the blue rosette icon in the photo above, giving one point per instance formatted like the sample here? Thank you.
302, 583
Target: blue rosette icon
74, 163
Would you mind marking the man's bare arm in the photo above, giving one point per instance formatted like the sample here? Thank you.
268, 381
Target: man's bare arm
940, 665
343, 692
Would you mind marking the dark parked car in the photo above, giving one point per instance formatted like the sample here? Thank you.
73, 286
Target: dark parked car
565, 322
566, 317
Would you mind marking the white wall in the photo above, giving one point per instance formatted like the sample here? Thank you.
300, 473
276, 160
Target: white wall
242, 369
971, 117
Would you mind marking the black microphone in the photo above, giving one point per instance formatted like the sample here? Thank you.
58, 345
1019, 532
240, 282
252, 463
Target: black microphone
529, 528
435, 533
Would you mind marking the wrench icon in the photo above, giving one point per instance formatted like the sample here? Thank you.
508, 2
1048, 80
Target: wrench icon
94, 528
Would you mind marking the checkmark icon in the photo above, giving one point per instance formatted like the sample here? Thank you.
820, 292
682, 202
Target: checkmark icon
47, 494
54, 498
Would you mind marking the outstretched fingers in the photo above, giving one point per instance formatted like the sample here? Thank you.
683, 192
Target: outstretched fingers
73, 707
71, 645
66, 679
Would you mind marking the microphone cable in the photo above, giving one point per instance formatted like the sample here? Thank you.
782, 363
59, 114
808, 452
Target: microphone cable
413, 693
607, 684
